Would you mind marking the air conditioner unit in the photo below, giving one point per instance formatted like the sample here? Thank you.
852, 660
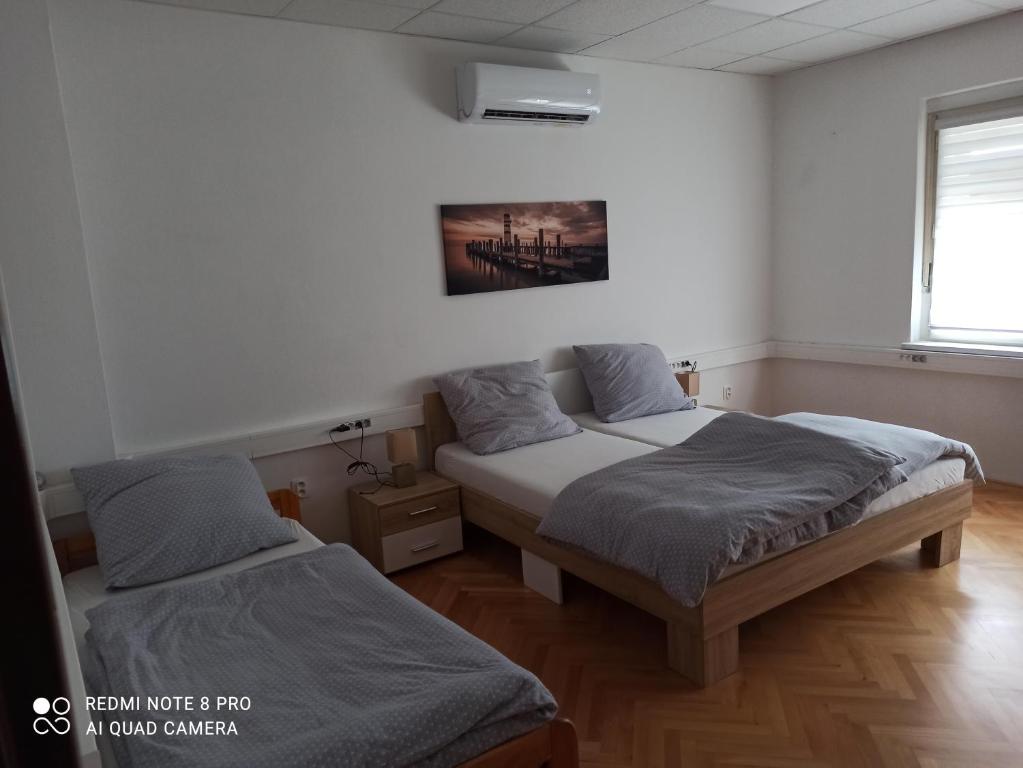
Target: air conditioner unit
494, 93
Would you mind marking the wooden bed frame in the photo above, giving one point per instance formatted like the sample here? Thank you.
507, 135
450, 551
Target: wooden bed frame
703, 641
552, 745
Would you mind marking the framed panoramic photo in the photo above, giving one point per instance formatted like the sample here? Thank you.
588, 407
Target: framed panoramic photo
504, 246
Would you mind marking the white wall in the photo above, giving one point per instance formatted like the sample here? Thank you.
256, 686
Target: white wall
984, 411
259, 215
847, 153
41, 255
260, 212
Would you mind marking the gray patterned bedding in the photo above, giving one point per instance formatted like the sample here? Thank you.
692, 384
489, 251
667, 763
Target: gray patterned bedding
740, 488
342, 667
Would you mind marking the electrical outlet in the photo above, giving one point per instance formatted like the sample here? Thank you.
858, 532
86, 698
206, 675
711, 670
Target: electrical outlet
726, 393
299, 488
348, 426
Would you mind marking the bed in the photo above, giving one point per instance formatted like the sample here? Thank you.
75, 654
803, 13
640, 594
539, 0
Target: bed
667, 429
509, 494
364, 599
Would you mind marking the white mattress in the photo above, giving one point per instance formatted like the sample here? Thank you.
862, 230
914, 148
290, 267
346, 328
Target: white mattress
84, 589
662, 430
531, 476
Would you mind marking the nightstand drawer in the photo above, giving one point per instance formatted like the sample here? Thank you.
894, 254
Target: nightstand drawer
418, 512
420, 544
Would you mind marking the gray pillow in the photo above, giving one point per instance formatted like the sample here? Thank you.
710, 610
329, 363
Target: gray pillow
155, 519
630, 380
503, 406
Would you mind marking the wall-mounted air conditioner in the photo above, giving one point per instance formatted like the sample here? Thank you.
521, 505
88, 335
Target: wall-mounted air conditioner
494, 93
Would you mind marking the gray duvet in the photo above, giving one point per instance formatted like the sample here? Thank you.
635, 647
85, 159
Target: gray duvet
741, 487
343, 669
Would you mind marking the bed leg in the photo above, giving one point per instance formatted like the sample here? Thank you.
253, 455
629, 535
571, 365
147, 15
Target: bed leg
564, 745
942, 548
541, 576
705, 661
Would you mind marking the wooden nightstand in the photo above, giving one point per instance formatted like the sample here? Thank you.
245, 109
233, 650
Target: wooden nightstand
398, 527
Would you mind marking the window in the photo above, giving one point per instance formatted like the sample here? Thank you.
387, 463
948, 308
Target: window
973, 246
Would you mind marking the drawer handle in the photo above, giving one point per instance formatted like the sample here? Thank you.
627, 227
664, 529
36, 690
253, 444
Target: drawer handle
422, 511
424, 547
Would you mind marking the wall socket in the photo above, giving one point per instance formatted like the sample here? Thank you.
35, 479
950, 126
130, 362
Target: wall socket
348, 426
726, 393
299, 488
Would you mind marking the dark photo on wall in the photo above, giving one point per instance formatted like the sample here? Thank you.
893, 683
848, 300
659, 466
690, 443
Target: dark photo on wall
503, 246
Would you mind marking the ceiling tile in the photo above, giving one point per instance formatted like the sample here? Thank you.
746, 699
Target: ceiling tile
768, 36
830, 46
682, 30
348, 13
845, 13
922, 19
612, 17
251, 7
420, 4
445, 25
767, 7
757, 36
558, 40
760, 65
701, 57
520, 11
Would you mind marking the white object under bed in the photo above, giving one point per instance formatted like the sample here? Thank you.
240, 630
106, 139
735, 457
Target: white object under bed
83, 589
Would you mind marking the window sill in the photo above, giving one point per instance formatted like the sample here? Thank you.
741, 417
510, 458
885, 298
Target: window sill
963, 348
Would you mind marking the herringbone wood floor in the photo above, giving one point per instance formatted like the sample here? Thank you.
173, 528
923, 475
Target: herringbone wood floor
896, 664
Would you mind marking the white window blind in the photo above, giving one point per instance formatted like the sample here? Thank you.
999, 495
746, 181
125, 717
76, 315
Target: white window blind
977, 278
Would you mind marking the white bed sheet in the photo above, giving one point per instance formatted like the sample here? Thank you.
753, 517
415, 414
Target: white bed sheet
662, 430
83, 589
530, 477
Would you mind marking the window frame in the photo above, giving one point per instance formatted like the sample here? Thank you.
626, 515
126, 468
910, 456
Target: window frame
937, 120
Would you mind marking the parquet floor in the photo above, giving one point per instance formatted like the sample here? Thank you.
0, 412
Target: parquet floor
896, 664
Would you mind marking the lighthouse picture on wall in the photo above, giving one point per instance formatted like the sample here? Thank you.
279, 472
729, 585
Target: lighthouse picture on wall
503, 246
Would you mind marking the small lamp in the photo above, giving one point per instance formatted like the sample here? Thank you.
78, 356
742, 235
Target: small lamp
402, 452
